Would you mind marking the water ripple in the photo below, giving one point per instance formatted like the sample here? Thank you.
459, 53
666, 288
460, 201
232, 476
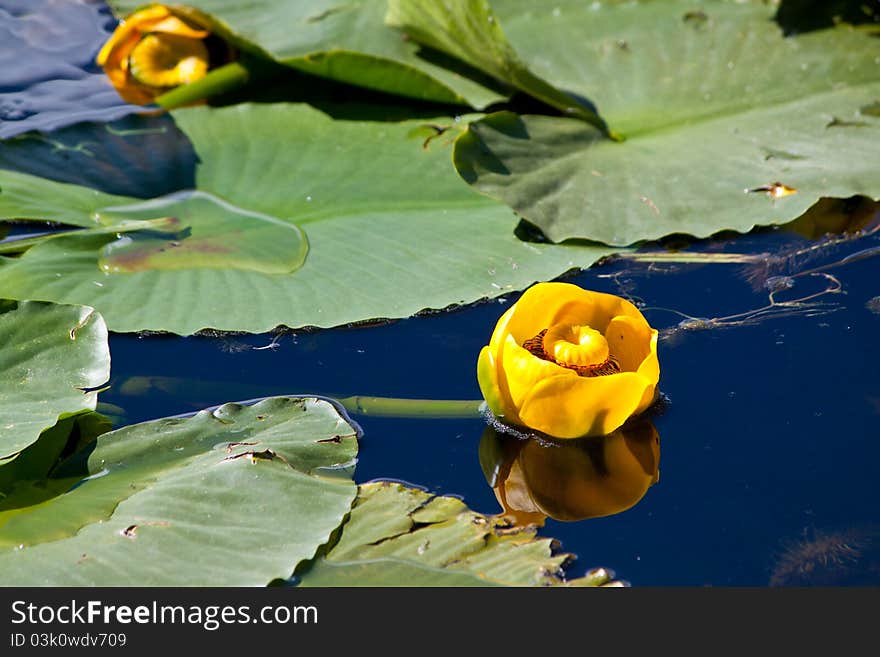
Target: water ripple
48, 76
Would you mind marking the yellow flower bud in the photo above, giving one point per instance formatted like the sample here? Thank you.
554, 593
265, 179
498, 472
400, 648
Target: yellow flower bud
153, 51
569, 362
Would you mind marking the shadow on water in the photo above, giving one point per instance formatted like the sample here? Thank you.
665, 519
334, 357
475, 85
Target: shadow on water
109, 157
798, 16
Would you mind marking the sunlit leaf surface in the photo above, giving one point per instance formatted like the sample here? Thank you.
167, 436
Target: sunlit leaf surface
237, 497
205, 231
50, 356
391, 228
402, 536
713, 101
469, 31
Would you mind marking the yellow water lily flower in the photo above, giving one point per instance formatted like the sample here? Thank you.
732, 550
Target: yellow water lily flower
152, 51
569, 362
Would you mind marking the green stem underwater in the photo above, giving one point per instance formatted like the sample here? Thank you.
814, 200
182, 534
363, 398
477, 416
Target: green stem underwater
708, 258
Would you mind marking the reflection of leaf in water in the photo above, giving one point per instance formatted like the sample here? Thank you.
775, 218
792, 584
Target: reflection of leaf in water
829, 558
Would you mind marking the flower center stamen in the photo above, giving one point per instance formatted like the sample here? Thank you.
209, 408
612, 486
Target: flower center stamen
575, 345
578, 348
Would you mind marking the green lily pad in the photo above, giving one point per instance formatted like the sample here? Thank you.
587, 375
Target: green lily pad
717, 107
237, 496
26, 480
52, 358
402, 536
205, 232
469, 31
392, 229
344, 41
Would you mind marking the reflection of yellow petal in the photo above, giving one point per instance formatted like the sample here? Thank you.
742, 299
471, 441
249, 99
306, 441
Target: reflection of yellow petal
567, 407
522, 371
592, 478
515, 499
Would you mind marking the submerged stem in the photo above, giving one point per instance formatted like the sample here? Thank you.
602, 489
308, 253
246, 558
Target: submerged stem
718, 258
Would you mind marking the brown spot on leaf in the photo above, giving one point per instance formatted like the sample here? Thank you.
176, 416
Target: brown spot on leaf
265, 455
842, 123
231, 446
773, 190
695, 18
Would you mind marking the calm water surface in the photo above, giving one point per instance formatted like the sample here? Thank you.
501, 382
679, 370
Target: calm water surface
768, 428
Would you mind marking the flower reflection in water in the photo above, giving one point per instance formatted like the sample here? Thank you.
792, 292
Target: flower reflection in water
571, 480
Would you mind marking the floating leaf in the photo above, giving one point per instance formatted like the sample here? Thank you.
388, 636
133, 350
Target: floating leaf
26, 480
710, 108
392, 229
344, 41
52, 357
402, 536
469, 31
207, 232
237, 496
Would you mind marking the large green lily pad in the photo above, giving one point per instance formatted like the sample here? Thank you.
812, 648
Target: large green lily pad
344, 41
52, 358
712, 100
469, 31
392, 230
237, 496
402, 536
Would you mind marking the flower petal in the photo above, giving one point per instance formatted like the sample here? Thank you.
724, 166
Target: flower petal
174, 25
487, 377
650, 369
546, 304
499, 335
628, 341
168, 60
567, 407
129, 31
521, 371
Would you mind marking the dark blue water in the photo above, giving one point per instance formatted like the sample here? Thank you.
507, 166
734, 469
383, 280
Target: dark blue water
768, 429
768, 436
48, 77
